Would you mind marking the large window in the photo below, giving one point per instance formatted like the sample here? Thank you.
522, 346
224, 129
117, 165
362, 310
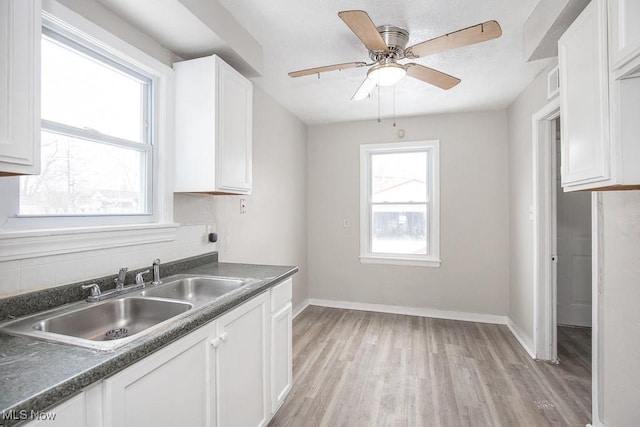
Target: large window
96, 147
106, 146
400, 203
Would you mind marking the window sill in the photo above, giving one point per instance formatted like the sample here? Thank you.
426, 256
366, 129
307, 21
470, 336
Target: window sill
418, 262
36, 243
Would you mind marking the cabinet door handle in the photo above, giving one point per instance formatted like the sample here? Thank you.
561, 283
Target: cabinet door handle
216, 341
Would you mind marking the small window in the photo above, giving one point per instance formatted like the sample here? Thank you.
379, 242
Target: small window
96, 139
400, 203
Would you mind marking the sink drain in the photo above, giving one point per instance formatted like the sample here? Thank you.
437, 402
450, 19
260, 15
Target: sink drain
114, 334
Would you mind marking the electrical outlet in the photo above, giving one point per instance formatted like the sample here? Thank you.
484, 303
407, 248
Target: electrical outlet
243, 205
211, 235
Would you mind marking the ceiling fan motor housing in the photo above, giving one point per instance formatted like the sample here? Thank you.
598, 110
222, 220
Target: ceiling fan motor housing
396, 39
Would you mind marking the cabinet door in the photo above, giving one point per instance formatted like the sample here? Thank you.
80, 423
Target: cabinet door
235, 122
20, 30
242, 364
624, 31
582, 54
195, 125
169, 388
281, 355
82, 410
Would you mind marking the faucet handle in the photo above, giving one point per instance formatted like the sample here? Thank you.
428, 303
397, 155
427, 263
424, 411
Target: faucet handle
95, 289
156, 272
140, 278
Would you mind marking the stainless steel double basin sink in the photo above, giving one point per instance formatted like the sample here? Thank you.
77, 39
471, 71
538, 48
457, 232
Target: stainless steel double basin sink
115, 322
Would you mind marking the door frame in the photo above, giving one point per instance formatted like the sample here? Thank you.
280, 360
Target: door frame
544, 232
544, 217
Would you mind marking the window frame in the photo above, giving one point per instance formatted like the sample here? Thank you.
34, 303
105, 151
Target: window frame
34, 236
432, 147
84, 47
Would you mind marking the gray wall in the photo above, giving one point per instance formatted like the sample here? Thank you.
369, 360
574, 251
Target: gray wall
474, 239
274, 228
520, 155
619, 299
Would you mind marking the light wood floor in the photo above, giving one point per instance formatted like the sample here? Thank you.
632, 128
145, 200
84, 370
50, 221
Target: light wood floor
356, 368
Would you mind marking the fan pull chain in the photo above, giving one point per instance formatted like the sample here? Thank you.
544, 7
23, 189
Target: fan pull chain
394, 105
378, 103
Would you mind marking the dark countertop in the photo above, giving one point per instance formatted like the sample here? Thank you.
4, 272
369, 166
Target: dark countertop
35, 374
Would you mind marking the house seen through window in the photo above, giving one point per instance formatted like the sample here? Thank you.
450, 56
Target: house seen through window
96, 140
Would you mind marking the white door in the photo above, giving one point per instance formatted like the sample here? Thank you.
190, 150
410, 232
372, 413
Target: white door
574, 257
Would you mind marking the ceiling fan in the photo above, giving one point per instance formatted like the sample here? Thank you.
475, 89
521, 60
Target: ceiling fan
386, 45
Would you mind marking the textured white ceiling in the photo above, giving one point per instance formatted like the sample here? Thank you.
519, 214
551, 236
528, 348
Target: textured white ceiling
298, 34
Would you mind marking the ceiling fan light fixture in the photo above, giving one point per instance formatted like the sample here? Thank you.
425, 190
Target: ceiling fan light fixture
386, 74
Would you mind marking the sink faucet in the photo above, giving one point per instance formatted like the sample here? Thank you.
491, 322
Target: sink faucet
156, 272
121, 276
95, 292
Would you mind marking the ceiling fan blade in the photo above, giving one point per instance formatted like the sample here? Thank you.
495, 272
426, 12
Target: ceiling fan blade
431, 76
478, 33
334, 67
364, 28
364, 90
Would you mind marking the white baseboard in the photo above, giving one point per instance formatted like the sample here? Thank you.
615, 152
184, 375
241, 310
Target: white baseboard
412, 311
300, 308
515, 330
596, 423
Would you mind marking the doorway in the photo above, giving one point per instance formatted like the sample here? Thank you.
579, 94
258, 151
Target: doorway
573, 268
553, 305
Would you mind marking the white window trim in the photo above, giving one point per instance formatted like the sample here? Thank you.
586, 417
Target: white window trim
19, 239
366, 257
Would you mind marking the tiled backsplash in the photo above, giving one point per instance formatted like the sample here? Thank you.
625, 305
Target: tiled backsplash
38, 273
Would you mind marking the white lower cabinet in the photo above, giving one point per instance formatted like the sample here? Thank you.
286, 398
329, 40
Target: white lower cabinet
172, 387
281, 343
232, 372
82, 410
242, 365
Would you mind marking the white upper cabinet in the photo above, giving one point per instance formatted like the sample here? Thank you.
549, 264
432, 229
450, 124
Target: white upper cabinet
624, 21
214, 120
599, 108
582, 53
20, 28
